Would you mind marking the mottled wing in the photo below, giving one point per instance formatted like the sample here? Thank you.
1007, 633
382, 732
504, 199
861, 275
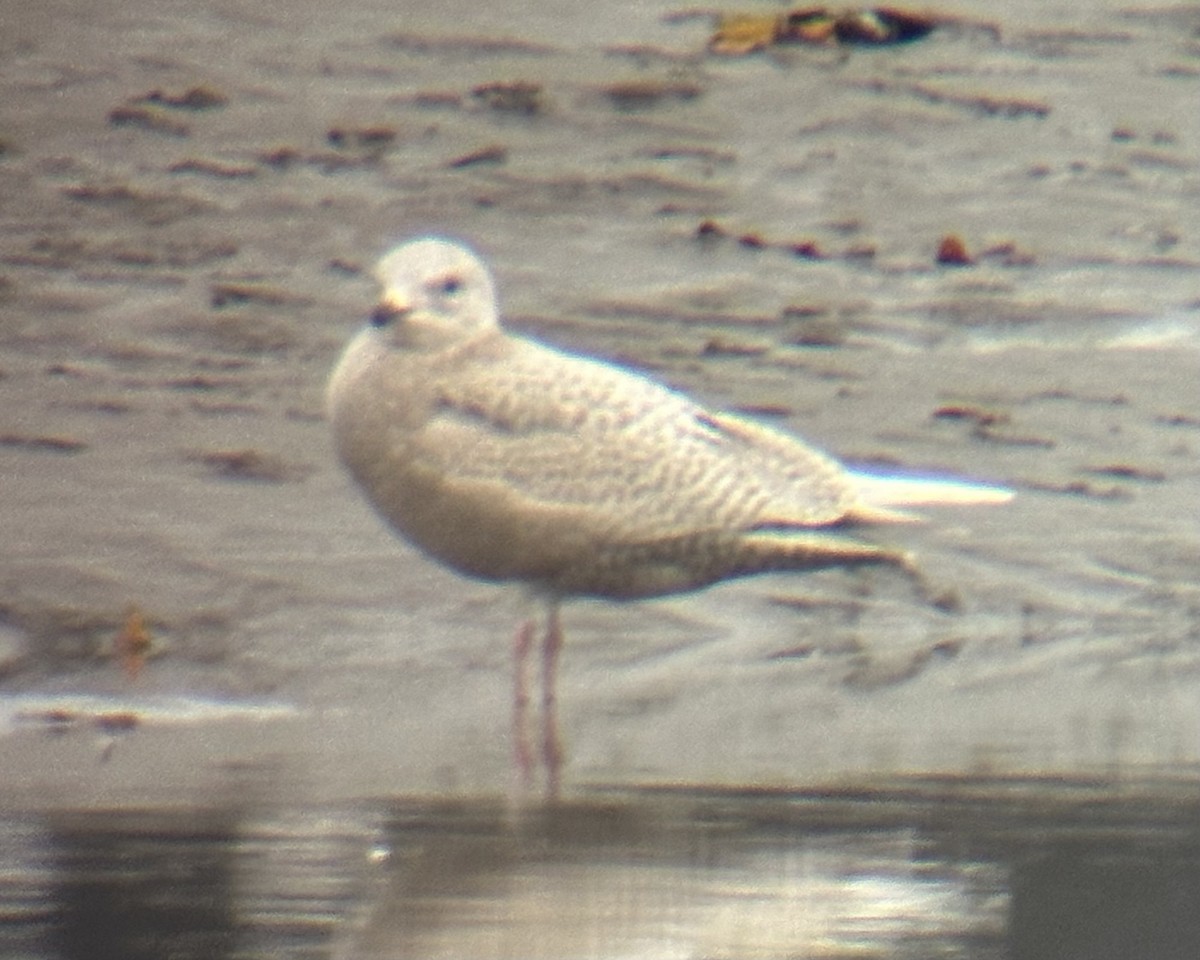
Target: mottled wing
636, 458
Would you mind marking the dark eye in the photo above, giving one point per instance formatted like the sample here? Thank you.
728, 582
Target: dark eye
449, 286
385, 314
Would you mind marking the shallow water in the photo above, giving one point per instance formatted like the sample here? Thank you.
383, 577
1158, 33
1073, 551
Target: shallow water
948, 868
175, 285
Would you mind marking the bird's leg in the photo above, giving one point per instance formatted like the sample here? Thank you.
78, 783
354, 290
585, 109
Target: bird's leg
522, 755
551, 746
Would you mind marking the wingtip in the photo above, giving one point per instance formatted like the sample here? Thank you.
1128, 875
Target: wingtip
883, 491
868, 513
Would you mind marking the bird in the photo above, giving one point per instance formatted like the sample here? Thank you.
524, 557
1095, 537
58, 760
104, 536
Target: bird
508, 460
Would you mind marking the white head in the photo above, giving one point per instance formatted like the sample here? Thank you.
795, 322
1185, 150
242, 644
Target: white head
434, 293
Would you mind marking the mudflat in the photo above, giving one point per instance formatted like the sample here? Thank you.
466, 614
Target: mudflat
192, 200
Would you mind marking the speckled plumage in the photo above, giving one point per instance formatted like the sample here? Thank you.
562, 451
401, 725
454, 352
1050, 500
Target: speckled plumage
508, 460
511, 461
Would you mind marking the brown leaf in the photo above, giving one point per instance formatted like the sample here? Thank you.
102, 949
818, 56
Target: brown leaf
132, 643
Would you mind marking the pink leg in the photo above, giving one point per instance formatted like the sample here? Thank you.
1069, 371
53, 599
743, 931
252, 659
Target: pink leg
552, 753
522, 755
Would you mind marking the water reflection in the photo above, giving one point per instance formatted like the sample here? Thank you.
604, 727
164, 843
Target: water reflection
669, 878
980, 869
140, 890
180, 883
1116, 899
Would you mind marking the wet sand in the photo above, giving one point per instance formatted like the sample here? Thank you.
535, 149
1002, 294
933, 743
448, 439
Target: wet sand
192, 201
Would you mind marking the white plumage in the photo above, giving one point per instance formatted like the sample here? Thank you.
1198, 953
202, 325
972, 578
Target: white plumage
511, 461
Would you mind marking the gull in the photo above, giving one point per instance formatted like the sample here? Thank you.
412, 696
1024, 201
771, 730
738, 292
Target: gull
511, 461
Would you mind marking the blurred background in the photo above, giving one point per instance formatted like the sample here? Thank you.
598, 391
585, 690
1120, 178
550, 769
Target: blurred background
239, 719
